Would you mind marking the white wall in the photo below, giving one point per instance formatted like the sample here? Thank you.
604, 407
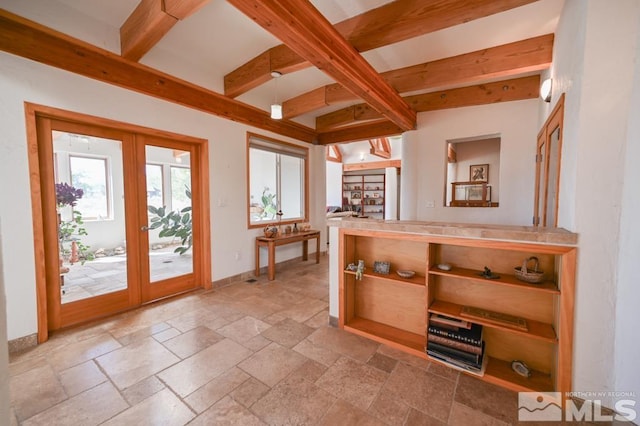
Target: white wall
424, 162
22, 80
595, 63
4, 350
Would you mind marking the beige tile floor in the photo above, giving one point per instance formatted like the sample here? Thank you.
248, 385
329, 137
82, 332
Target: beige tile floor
247, 354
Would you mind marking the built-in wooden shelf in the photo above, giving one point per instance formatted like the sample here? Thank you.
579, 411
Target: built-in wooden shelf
393, 276
536, 329
505, 279
389, 335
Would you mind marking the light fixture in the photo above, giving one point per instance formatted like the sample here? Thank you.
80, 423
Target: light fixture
545, 90
276, 108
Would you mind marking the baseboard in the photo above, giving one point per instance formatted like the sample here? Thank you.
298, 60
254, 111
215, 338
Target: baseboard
333, 321
23, 343
263, 271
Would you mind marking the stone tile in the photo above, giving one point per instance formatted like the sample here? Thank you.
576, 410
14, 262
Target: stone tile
293, 402
79, 352
417, 418
21, 365
301, 312
272, 364
345, 343
287, 332
81, 377
421, 390
34, 391
256, 343
310, 371
405, 357
389, 408
216, 389
192, 319
135, 362
244, 329
192, 341
161, 408
382, 362
91, 407
443, 371
343, 413
142, 333
249, 392
190, 374
490, 399
317, 353
227, 412
167, 334
461, 415
256, 307
354, 382
321, 319
142, 390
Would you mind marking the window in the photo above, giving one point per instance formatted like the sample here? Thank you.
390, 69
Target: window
155, 194
277, 181
91, 175
180, 184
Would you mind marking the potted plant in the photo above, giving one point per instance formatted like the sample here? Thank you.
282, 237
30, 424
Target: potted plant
175, 224
69, 231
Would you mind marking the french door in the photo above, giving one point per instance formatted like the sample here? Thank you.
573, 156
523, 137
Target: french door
122, 217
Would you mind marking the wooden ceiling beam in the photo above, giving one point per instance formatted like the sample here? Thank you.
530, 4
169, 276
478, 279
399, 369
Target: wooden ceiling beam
390, 23
150, 21
28, 39
371, 165
481, 94
380, 147
333, 153
359, 132
534, 54
301, 27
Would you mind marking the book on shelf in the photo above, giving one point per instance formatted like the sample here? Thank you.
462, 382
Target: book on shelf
475, 349
463, 356
447, 322
471, 336
477, 370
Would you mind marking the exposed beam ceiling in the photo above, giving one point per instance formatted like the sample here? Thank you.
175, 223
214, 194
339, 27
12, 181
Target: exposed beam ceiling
31, 40
359, 132
481, 94
387, 24
529, 55
308, 33
150, 21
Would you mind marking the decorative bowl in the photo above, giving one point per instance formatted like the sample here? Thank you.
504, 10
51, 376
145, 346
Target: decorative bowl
405, 273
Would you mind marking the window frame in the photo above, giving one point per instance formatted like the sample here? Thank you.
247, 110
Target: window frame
287, 149
107, 182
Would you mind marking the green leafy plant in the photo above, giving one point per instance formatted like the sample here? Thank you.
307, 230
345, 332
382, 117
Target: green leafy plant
269, 208
71, 230
176, 224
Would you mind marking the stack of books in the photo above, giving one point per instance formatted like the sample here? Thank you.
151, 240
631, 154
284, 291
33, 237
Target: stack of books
456, 342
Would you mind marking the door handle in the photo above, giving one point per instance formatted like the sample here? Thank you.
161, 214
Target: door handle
144, 228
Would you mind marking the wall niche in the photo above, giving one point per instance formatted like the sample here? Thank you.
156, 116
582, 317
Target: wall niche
473, 172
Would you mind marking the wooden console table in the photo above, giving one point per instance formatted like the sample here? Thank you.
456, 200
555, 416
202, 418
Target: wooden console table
272, 243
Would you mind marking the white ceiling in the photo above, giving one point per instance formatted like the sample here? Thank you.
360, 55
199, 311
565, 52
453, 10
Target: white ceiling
219, 38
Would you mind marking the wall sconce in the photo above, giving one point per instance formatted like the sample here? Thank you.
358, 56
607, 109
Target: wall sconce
276, 108
545, 90
362, 156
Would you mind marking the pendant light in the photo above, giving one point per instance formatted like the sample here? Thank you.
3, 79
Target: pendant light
276, 107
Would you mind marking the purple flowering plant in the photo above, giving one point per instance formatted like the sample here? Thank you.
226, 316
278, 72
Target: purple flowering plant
67, 195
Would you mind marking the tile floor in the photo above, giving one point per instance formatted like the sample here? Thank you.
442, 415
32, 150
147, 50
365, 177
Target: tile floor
247, 354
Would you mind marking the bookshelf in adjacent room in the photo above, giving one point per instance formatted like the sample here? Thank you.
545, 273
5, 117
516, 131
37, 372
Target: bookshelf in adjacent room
364, 193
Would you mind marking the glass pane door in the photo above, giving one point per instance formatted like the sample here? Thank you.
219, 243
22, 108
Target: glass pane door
89, 188
169, 232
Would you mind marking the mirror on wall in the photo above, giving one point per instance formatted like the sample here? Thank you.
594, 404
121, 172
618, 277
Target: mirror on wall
547, 184
473, 172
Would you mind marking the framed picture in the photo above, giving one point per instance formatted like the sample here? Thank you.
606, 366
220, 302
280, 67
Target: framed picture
381, 267
479, 173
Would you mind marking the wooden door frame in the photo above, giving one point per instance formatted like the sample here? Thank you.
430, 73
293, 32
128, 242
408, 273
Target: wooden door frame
42, 192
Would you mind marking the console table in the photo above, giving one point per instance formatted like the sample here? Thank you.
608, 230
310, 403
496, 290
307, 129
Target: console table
272, 243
